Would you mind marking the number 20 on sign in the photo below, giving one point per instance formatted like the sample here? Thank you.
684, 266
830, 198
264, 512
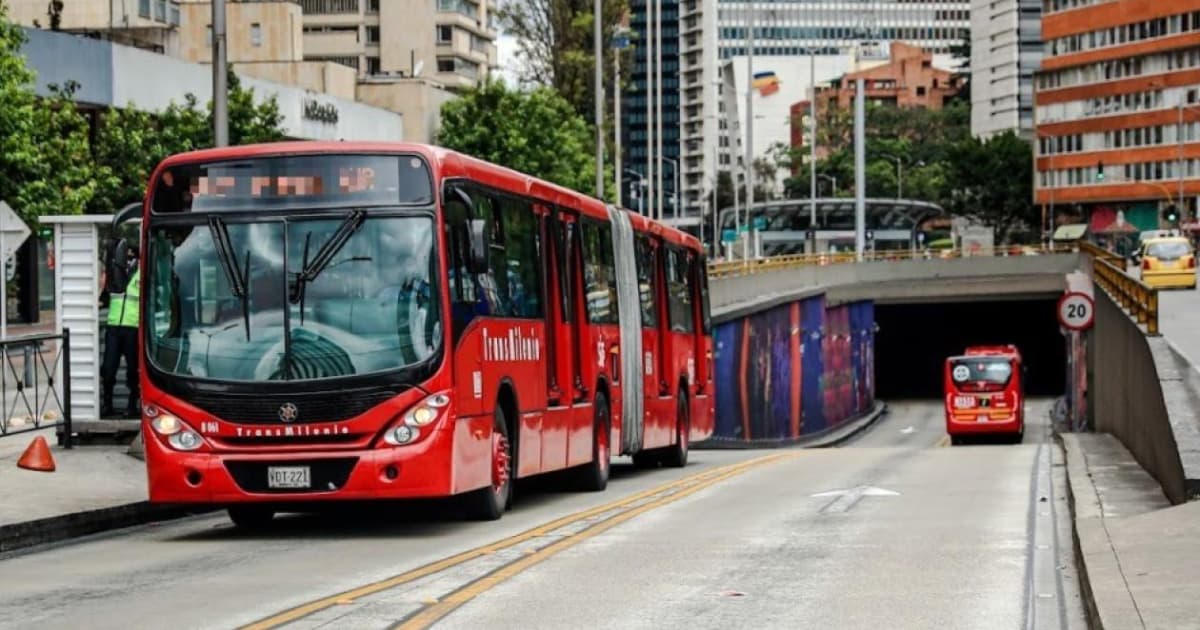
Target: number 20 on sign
1076, 311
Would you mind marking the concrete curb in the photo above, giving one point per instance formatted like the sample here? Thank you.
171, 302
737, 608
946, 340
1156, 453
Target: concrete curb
1106, 597
78, 524
825, 439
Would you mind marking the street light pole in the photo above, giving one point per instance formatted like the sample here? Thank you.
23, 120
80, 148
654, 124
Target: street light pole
617, 125
598, 49
220, 79
658, 174
649, 102
675, 166
812, 148
749, 126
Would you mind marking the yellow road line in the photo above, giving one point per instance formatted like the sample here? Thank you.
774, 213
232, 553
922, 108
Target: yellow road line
303, 610
454, 600
944, 442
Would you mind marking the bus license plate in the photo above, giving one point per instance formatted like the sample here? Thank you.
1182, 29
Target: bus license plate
964, 402
289, 477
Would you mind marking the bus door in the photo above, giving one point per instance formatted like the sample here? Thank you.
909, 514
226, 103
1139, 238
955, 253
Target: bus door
650, 298
702, 386
681, 324
563, 377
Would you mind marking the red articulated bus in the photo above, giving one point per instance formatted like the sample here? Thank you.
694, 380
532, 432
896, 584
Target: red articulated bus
347, 321
985, 393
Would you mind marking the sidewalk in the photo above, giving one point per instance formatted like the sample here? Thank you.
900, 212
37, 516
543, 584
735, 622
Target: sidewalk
1139, 556
95, 488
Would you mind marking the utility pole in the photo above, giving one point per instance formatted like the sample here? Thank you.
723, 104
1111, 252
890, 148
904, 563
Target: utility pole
860, 180
649, 107
599, 98
620, 41
749, 127
220, 79
812, 150
658, 108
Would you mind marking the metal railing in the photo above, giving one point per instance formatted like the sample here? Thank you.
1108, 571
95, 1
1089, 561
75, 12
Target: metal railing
29, 396
778, 263
1136, 297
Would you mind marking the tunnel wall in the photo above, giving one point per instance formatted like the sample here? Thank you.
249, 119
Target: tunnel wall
1144, 394
793, 370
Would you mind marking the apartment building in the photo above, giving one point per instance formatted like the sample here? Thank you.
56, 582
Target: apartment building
1117, 110
450, 41
1006, 48
908, 79
146, 24
699, 116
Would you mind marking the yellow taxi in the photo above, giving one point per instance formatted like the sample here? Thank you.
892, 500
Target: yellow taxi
1168, 262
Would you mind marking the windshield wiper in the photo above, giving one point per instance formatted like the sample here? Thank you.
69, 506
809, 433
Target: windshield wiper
238, 280
321, 260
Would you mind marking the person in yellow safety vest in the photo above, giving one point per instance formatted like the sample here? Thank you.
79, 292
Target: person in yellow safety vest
121, 340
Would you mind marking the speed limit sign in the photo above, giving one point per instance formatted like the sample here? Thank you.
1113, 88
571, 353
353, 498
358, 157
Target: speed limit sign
1076, 311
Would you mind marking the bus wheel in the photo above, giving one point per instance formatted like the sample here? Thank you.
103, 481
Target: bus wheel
488, 503
251, 516
593, 477
677, 454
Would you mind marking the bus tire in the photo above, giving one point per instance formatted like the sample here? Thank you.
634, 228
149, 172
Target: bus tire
593, 476
489, 502
251, 516
957, 440
676, 455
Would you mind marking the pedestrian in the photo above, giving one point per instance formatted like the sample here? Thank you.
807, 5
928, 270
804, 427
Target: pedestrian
121, 334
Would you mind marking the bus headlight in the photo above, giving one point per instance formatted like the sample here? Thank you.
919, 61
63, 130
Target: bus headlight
180, 436
410, 425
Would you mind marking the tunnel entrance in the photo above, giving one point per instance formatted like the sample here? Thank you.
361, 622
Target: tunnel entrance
914, 340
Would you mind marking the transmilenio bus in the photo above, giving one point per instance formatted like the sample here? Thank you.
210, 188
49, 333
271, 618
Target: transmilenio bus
336, 321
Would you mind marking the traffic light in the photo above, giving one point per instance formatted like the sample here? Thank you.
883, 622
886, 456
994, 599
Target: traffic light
1171, 214
1100, 171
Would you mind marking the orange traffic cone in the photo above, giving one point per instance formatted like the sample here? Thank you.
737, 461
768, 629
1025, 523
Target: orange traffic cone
37, 456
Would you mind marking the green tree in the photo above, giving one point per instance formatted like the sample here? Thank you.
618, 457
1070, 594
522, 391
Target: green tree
555, 39
535, 132
992, 181
130, 143
44, 162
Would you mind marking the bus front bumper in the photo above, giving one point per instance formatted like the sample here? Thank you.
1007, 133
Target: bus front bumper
421, 470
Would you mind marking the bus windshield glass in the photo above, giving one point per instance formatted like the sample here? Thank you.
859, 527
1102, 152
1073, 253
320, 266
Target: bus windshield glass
297, 182
290, 298
988, 370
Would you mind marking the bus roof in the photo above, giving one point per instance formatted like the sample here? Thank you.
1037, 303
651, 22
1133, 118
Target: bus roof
1001, 350
445, 163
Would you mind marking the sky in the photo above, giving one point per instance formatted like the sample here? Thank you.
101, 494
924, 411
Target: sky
506, 50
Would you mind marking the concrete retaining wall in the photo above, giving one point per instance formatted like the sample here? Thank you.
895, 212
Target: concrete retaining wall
1142, 395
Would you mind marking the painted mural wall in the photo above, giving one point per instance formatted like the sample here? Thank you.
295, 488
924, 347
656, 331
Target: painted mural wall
793, 370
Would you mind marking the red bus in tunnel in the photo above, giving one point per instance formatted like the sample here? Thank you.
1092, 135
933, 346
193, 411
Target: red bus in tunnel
985, 393
347, 321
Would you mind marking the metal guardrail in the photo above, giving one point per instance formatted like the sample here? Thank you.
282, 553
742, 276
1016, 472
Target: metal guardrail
29, 399
1136, 297
778, 263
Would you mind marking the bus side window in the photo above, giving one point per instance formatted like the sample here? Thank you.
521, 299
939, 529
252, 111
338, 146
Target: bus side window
646, 285
464, 287
701, 273
679, 293
599, 272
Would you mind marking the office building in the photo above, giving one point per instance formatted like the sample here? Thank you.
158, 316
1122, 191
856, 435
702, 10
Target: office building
1118, 112
1006, 48
639, 126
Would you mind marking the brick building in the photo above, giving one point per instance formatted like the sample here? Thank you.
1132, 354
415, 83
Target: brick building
1118, 111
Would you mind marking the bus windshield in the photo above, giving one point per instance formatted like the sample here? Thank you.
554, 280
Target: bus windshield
988, 370
291, 298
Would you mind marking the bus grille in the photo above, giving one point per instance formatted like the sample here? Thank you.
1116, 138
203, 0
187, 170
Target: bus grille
313, 407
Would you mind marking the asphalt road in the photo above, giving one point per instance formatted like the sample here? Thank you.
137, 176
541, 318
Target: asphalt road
928, 536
